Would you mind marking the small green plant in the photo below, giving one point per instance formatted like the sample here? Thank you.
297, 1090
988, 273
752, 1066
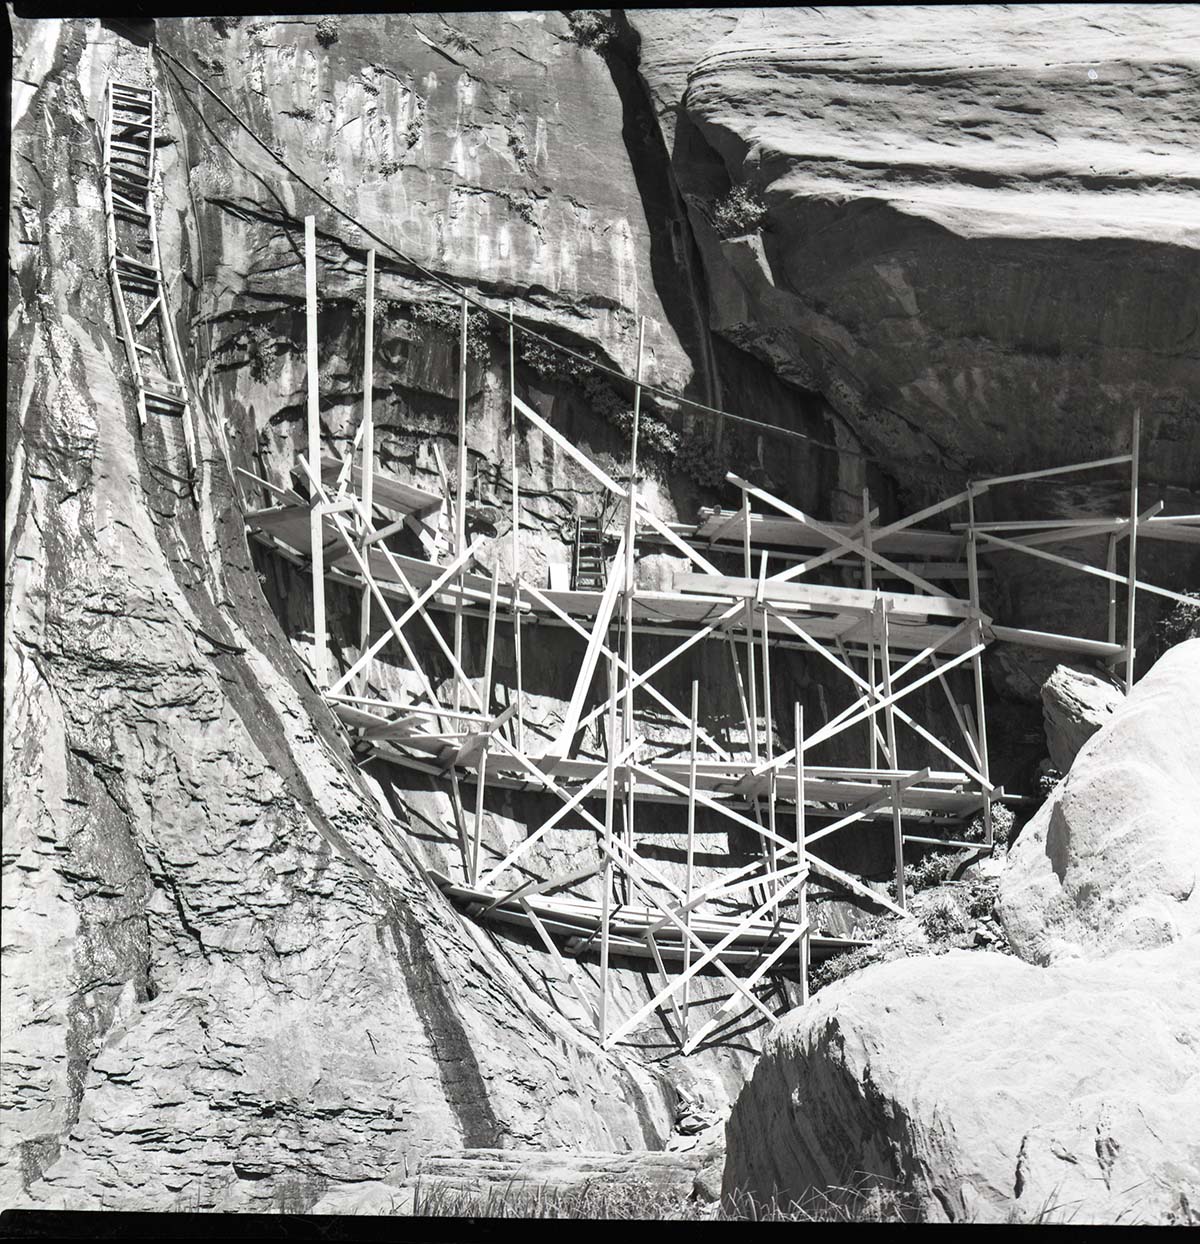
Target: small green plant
1002, 826
591, 28
443, 318
981, 901
931, 870
516, 144
698, 458
1181, 622
223, 25
457, 40
327, 31
740, 211
942, 920
389, 168
303, 113
1047, 780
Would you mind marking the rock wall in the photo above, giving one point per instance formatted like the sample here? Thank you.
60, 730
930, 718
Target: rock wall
225, 982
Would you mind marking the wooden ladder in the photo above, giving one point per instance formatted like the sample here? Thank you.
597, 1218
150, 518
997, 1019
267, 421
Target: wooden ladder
588, 573
144, 322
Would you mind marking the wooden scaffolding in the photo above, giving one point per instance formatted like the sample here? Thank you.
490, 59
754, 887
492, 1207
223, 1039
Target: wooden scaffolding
905, 626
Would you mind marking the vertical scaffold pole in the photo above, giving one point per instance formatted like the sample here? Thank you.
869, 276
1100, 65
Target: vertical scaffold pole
800, 847
752, 724
516, 529
1111, 566
890, 719
977, 665
768, 719
368, 454
460, 507
607, 874
869, 585
320, 649
1131, 598
630, 538
691, 854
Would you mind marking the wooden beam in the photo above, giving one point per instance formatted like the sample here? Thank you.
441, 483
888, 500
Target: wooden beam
1131, 581
516, 528
320, 650
565, 445
368, 446
823, 596
830, 533
460, 505
587, 669
978, 485
1138, 584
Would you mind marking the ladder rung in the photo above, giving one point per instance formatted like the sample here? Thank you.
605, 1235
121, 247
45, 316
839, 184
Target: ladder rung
137, 263
133, 148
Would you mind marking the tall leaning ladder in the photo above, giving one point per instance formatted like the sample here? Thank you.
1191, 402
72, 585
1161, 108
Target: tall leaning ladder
128, 175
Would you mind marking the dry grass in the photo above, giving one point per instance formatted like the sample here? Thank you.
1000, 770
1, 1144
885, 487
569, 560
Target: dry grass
870, 1200
647, 1201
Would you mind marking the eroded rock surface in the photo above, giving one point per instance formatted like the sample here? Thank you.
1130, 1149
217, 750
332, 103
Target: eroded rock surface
988, 1089
967, 208
1075, 704
1112, 859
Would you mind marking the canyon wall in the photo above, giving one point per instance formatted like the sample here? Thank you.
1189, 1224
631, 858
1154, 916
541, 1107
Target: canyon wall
226, 981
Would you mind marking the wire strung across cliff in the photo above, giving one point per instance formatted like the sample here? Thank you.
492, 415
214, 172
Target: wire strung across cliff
435, 278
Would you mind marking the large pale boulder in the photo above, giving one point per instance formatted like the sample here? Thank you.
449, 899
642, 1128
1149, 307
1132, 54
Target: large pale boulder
1113, 857
1075, 704
988, 1089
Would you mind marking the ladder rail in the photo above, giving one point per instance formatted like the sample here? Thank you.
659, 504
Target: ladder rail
128, 175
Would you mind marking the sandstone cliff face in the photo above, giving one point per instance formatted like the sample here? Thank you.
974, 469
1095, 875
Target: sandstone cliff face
990, 1088
225, 981
981, 223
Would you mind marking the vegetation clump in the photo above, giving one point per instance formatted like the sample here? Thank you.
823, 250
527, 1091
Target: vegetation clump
740, 211
327, 31
223, 25
444, 319
942, 920
1181, 622
591, 28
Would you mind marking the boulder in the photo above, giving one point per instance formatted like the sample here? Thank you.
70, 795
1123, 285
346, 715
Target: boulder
1075, 704
1113, 856
987, 1089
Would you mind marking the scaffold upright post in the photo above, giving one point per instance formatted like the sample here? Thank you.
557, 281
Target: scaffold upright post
460, 507
368, 454
977, 668
1131, 596
320, 646
630, 541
